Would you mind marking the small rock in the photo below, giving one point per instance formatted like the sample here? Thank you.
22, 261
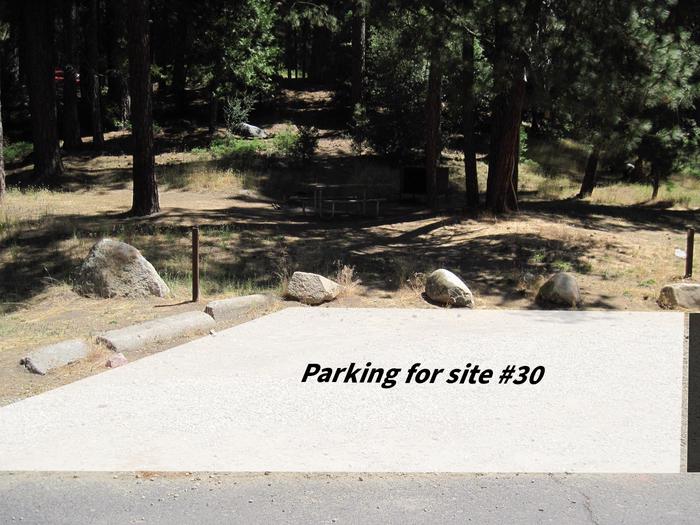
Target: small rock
529, 278
116, 360
685, 295
444, 287
560, 289
310, 288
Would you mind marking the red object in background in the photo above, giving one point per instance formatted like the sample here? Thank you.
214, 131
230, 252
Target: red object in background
59, 77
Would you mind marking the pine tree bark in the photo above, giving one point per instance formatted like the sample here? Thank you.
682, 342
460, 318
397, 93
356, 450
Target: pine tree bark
359, 26
432, 122
145, 192
117, 83
468, 146
590, 176
288, 50
506, 117
637, 174
71, 121
2, 152
37, 18
512, 200
514, 35
655, 181
180, 60
93, 80
214, 95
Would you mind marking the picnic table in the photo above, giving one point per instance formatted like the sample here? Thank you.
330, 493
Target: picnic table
352, 194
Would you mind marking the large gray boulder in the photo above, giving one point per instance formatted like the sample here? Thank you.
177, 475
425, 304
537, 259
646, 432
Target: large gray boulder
248, 130
116, 269
685, 295
310, 288
561, 289
444, 287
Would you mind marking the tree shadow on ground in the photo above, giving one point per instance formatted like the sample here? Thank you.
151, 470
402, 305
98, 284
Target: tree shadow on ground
260, 245
612, 217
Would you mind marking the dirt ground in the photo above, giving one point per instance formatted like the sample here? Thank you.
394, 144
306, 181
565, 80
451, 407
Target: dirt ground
252, 240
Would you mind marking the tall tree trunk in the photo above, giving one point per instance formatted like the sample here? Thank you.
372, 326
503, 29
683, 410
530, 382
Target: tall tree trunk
214, 95
590, 176
71, 122
39, 47
117, 83
655, 180
93, 80
359, 24
432, 122
512, 201
145, 196
506, 115
468, 146
297, 38
507, 106
288, 50
213, 107
2, 153
637, 174
180, 61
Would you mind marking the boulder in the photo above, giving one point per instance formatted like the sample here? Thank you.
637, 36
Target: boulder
248, 130
685, 295
310, 288
560, 289
116, 269
444, 287
45, 359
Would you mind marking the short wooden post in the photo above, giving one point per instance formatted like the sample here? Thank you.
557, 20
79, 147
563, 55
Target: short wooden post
689, 253
195, 264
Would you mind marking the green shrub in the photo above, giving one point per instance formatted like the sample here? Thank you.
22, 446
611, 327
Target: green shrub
17, 151
297, 144
284, 141
234, 147
237, 110
307, 143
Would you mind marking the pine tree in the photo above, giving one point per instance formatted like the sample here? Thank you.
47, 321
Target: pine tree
117, 77
93, 79
38, 46
71, 122
145, 191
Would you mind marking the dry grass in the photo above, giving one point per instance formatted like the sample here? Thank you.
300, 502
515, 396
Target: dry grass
345, 277
416, 283
679, 192
182, 177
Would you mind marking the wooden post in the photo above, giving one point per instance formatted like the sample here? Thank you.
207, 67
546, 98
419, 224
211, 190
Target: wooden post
195, 264
689, 253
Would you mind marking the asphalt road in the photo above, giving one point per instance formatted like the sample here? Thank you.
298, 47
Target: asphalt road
96, 498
